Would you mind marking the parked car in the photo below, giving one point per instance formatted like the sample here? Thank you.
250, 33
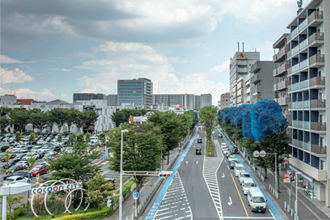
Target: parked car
23, 173
232, 161
243, 175
256, 200
199, 140
15, 179
39, 169
14, 168
239, 168
198, 151
247, 184
223, 145
235, 150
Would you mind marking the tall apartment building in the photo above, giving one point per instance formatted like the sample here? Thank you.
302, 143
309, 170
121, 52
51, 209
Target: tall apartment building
225, 100
309, 73
168, 99
280, 73
189, 101
197, 102
135, 92
87, 96
112, 99
205, 100
7, 100
261, 81
239, 67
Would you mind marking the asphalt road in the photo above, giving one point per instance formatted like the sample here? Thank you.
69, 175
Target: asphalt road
234, 202
191, 172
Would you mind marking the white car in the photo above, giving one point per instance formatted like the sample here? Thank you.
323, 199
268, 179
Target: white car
15, 179
238, 169
247, 184
256, 200
242, 176
68, 150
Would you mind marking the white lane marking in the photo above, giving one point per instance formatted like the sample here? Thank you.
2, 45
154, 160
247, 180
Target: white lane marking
228, 167
244, 217
223, 175
187, 161
230, 202
196, 161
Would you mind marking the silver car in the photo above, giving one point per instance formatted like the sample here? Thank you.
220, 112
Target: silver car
15, 179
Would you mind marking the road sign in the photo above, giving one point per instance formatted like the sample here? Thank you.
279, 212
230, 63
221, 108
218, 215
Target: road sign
286, 175
135, 195
109, 203
256, 153
262, 153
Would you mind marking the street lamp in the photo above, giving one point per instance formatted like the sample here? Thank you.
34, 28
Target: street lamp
121, 175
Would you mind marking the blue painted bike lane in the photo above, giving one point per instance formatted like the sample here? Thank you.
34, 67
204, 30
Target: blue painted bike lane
152, 212
276, 212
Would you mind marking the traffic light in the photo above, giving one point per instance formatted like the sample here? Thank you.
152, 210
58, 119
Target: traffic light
165, 173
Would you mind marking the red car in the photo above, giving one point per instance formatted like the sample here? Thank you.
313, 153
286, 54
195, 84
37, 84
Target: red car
38, 170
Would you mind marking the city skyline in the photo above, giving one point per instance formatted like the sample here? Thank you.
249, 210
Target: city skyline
59, 48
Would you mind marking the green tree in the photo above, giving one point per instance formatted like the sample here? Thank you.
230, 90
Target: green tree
6, 157
88, 137
11, 201
102, 138
169, 124
4, 122
36, 118
76, 165
18, 136
99, 190
19, 118
71, 117
32, 137
122, 116
31, 161
59, 137
142, 146
59, 117
208, 118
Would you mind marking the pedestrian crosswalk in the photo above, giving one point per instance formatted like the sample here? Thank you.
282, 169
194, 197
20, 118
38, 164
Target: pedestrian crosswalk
210, 168
175, 203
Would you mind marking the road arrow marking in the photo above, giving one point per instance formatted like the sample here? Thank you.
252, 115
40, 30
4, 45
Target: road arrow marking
187, 162
196, 161
230, 202
223, 175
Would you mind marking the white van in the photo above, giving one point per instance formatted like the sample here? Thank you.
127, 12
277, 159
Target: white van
238, 169
247, 184
256, 199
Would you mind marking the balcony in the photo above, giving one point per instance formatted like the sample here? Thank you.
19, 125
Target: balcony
318, 126
316, 60
303, 25
300, 85
281, 69
303, 64
317, 103
316, 39
303, 44
317, 81
281, 53
300, 104
315, 18
295, 68
295, 50
275, 87
255, 78
294, 33
319, 149
283, 84
283, 100
319, 175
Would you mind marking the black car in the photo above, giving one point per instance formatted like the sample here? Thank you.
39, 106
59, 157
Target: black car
4, 148
235, 150
198, 151
199, 140
11, 163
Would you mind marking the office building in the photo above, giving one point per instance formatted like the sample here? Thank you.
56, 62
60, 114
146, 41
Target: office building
309, 73
7, 100
239, 68
87, 96
205, 100
135, 92
112, 99
197, 102
261, 81
280, 73
225, 100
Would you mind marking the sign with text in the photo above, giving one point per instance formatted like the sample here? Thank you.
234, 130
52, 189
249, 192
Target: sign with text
56, 188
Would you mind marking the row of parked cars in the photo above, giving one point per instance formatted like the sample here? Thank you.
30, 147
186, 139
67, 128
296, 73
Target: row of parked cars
43, 149
255, 197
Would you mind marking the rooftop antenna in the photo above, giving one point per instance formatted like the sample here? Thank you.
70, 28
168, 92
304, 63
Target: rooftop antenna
299, 3
243, 46
237, 46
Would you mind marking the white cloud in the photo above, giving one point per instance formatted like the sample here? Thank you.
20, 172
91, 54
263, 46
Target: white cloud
23, 93
141, 60
8, 60
223, 67
13, 76
66, 70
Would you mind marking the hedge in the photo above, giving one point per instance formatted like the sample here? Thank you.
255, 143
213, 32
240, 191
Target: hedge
88, 215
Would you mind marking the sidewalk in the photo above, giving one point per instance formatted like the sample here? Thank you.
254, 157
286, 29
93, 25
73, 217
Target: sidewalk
147, 188
307, 208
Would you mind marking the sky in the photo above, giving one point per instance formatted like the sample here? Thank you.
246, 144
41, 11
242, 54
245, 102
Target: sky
51, 49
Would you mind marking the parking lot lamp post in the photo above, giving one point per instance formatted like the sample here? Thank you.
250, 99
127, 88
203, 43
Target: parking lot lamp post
121, 175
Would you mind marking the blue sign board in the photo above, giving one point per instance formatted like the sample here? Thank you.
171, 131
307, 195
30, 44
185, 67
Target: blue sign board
135, 195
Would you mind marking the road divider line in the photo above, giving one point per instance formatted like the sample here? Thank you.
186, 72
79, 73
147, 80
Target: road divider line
239, 194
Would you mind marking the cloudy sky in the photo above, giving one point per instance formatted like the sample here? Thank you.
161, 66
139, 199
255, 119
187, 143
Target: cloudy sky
53, 48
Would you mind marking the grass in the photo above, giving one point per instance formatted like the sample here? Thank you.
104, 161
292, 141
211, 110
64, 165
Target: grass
209, 148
